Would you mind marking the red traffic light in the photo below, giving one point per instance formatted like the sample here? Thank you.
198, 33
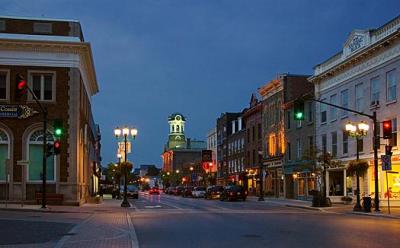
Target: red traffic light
387, 129
57, 147
21, 86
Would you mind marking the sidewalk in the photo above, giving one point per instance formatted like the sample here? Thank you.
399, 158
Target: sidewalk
336, 207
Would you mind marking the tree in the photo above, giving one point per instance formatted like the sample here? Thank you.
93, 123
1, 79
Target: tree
152, 171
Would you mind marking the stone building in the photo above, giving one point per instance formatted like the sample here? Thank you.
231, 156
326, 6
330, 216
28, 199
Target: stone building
57, 63
236, 152
363, 76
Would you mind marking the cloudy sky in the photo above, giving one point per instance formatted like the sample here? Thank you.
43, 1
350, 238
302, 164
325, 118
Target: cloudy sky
198, 57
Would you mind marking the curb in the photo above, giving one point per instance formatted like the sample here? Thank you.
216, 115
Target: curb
375, 215
39, 210
303, 207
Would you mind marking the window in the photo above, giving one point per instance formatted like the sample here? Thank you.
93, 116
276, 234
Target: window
298, 149
393, 139
333, 110
43, 28
36, 158
298, 124
288, 120
344, 101
2, 25
323, 141
334, 143
4, 146
289, 153
345, 145
323, 112
301, 186
359, 98
272, 145
43, 86
391, 86
4, 85
375, 91
310, 111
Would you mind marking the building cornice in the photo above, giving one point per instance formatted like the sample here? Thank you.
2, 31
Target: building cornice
270, 88
53, 54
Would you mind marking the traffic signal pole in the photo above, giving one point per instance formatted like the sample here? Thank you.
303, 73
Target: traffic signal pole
375, 140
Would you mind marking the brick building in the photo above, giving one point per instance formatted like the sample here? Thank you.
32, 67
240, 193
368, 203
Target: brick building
58, 66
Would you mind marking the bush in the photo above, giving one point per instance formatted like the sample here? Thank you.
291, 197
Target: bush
358, 168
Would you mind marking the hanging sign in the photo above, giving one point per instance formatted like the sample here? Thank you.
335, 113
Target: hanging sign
16, 111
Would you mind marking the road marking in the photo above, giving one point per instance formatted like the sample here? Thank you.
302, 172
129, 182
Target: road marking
65, 238
132, 232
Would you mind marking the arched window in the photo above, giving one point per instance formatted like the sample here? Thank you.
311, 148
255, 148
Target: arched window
4, 146
177, 128
173, 128
36, 157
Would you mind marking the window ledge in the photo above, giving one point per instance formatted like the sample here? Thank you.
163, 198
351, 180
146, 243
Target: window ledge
344, 117
323, 123
391, 102
333, 120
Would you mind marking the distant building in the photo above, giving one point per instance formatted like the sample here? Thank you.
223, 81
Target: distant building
179, 152
143, 169
212, 145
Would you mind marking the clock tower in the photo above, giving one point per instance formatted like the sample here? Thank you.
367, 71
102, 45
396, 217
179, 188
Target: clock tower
176, 137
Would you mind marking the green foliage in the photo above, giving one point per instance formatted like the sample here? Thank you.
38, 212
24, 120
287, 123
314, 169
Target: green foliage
152, 171
358, 168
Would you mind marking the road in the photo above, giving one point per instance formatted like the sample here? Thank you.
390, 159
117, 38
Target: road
174, 221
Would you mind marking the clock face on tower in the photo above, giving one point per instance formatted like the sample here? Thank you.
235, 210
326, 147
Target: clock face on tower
178, 118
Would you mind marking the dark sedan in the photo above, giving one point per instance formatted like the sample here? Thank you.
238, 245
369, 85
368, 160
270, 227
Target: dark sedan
213, 192
187, 191
233, 193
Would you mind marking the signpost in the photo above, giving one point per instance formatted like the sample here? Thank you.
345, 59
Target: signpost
387, 166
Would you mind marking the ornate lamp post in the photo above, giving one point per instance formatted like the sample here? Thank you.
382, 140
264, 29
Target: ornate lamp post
357, 131
125, 133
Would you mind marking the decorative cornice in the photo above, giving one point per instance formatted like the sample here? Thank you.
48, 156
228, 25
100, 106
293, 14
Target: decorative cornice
52, 53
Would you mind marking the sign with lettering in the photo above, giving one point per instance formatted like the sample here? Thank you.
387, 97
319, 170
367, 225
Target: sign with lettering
386, 163
16, 111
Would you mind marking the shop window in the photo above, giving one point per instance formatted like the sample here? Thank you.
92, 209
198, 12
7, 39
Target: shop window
36, 158
336, 181
311, 184
4, 146
301, 182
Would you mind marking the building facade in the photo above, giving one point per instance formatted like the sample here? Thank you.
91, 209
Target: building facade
364, 76
57, 63
252, 119
236, 152
212, 145
299, 165
274, 143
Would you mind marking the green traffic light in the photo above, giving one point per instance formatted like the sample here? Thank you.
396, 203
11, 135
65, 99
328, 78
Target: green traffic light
298, 116
58, 132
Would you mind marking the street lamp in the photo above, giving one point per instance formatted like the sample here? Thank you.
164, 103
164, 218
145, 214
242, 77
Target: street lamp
119, 156
357, 131
125, 132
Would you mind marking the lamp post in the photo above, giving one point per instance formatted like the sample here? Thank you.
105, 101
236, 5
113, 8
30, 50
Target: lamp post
125, 132
191, 175
357, 131
119, 156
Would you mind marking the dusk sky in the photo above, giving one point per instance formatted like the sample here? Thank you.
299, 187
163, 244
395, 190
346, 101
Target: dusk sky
199, 58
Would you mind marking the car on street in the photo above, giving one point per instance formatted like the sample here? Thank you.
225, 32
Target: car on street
187, 191
154, 191
213, 192
233, 193
199, 192
178, 190
132, 191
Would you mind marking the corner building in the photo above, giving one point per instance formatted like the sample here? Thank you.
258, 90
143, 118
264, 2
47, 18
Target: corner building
57, 63
364, 76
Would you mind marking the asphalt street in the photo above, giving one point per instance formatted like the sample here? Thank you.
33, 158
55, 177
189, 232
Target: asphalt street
174, 221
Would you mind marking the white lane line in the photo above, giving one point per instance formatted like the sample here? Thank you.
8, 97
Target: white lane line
65, 238
132, 232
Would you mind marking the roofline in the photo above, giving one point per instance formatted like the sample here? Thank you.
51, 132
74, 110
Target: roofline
38, 18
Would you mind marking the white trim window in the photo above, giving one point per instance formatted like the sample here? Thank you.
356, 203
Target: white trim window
333, 110
35, 157
375, 90
391, 86
43, 85
298, 149
4, 154
323, 112
359, 101
4, 85
344, 101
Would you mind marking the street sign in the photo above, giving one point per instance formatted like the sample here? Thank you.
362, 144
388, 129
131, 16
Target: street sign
386, 162
16, 111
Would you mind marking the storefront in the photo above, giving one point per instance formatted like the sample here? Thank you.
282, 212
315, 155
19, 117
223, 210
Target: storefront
275, 180
338, 184
251, 179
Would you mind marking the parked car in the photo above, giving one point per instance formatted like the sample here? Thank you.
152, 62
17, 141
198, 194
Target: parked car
132, 191
154, 191
172, 191
199, 192
187, 191
178, 190
233, 193
213, 192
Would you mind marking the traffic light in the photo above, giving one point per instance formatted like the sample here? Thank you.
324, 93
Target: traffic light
58, 128
387, 129
388, 150
21, 86
57, 147
299, 110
